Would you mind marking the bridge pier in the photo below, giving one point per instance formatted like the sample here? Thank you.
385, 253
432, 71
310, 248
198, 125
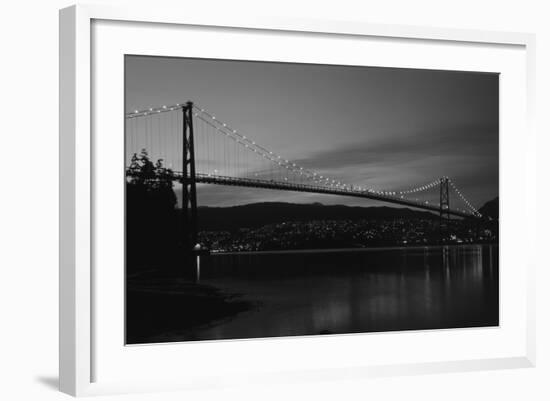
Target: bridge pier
444, 208
189, 196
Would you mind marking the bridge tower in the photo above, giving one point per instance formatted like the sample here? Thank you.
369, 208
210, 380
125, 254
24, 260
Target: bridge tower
189, 192
444, 207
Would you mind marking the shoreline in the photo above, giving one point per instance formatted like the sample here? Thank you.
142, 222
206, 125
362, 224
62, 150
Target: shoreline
336, 250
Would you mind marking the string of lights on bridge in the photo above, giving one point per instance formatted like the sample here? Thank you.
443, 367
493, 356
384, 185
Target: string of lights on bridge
421, 188
435, 184
269, 155
154, 110
222, 127
463, 198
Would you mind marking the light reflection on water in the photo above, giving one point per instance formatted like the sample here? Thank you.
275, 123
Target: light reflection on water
356, 291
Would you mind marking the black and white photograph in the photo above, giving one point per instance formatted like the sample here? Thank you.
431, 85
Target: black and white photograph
276, 200
270, 199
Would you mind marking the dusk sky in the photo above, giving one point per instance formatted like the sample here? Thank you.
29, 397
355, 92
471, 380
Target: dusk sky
382, 128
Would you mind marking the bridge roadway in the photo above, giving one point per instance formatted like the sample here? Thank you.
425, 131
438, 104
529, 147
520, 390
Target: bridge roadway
287, 186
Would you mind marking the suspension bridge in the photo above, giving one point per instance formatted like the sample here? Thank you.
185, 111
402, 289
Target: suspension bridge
199, 148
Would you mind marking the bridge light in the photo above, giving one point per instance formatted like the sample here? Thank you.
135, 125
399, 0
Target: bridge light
163, 106
136, 111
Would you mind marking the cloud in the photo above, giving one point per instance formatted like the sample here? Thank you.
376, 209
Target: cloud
398, 149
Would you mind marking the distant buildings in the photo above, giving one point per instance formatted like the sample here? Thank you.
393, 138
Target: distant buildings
326, 234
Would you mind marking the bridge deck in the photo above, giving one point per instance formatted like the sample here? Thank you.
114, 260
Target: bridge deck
255, 183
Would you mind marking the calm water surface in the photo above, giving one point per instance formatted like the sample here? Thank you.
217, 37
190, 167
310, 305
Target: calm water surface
305, 293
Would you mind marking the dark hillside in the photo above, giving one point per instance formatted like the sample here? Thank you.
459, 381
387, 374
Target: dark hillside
261, 214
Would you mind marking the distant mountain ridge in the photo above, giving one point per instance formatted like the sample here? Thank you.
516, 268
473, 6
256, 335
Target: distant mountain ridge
490, 209
264, 213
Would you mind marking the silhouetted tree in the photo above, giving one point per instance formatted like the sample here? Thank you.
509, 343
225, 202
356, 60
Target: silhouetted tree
151, 217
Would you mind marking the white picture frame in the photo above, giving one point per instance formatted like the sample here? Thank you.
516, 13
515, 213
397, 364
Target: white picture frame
79, 314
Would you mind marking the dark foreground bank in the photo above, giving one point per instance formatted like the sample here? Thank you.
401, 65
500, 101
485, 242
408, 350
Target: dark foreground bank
160, 305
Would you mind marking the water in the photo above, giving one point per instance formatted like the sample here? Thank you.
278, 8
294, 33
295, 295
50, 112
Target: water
305, 293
